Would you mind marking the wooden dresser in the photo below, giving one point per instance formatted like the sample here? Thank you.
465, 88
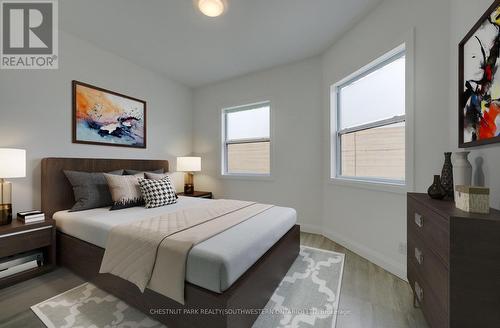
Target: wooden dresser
453, 263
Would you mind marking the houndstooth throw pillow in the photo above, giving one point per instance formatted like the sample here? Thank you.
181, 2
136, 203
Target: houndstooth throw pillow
158, 193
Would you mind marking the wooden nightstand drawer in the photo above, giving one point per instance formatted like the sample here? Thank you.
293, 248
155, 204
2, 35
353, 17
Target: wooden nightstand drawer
429, 227
22, 241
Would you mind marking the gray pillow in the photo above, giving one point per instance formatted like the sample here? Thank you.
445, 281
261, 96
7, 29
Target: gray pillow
156, 176
134, 172
90, 189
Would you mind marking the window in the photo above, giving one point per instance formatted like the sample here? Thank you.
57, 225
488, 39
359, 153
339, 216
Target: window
368, 126
247, 140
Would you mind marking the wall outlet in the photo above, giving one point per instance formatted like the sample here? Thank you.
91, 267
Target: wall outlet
402, 248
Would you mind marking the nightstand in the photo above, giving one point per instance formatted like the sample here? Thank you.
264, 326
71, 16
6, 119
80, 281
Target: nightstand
199, 194
18, 239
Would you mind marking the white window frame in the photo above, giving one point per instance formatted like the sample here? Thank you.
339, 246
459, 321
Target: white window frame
226, 142
390, 185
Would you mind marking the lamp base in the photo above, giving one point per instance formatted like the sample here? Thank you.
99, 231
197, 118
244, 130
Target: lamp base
188, 183
5, 202
5, 214
188, 189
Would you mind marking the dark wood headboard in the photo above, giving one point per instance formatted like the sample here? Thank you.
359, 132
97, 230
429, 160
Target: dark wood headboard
57, 193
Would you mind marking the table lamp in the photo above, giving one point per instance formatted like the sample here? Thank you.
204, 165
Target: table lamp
12, 165
188, 165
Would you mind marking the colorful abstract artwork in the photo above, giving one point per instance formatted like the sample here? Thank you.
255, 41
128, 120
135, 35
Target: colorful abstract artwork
105, 117
480, 81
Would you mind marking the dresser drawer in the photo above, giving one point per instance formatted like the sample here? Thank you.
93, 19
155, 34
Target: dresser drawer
433, 311
428, 266
23, 241
429, 227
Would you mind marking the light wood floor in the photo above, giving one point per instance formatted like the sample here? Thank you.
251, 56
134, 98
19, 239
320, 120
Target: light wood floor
370, 297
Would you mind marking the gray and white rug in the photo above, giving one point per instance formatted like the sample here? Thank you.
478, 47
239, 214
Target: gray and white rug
308, 296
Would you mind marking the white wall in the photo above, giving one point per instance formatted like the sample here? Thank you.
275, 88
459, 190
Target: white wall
464, 14
372, 223
35, 111
295, 94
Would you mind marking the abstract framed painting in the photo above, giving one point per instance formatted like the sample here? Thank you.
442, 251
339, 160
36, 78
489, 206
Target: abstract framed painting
104, 117
479, 81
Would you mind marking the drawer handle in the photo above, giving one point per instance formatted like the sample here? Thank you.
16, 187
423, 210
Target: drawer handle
419, 292
419, 220
419, 256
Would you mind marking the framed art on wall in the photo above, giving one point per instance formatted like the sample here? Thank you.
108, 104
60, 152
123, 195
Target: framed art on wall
479, 81
104, 117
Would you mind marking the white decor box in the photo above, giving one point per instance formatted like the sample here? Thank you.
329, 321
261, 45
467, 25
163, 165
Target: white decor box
473, 199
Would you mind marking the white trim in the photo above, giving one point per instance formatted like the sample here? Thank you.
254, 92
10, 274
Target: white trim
26, 231
410, 111
335, 132
375, 124
385, 186
222, 151
247, 176
310, 228
369, 254
254, 105
248, 140
374, 65
408, 45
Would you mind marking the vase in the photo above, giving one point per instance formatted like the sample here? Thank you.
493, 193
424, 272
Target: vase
447, 175
436, 190
462, 170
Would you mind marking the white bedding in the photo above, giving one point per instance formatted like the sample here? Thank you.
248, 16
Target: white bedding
214, 264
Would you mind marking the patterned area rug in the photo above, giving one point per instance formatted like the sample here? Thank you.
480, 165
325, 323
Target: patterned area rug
307, 297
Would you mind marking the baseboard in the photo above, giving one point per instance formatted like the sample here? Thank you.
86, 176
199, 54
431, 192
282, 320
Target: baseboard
375, 257
311, 228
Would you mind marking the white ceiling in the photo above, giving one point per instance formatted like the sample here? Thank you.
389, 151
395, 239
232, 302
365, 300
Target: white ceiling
175, 39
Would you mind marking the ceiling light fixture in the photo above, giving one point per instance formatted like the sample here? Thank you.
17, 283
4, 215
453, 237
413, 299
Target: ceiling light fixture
211, 8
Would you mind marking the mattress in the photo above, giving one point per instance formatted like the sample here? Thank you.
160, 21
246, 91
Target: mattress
214, 264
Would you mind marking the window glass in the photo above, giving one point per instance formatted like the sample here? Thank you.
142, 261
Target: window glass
373, 97
374, 153
248, 124
248, 158
247, 143
370, 122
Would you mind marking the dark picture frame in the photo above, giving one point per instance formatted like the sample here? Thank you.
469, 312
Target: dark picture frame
124, 125
463, 94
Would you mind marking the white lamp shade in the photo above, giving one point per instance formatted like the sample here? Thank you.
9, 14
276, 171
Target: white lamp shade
12, 163
188, 164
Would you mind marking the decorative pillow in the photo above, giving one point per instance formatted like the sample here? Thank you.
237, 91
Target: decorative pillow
158, 193
135, 172
90, 189
125, 191
156, 176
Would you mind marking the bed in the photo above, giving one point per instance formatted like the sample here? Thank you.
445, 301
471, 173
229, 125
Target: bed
226, 286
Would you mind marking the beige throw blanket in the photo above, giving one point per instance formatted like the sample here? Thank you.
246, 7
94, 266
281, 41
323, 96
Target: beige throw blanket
153, 252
